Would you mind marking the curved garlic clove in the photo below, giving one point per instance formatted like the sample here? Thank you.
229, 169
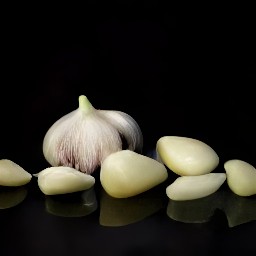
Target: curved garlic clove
11, 174
126, 173
194, 187
63, 180
186, 156
241, 177
127, 127
83, 138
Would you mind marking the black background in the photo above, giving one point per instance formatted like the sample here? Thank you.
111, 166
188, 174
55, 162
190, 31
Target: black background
186, 76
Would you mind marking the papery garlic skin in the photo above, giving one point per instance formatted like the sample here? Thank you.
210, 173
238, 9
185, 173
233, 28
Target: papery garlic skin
11, 174
83, 138
63, 180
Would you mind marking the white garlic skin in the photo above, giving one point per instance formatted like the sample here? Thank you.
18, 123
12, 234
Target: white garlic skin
194, 187
63, 180
83, 138
11, 174
186, 156
241, 177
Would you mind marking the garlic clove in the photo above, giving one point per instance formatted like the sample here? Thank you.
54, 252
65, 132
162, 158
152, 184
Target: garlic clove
63, 180
186, 156
194, 187
241, 177
83, 138
126, 173
11, 174
127, 127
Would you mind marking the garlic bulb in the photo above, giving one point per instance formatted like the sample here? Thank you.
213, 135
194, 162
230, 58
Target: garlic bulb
83, 138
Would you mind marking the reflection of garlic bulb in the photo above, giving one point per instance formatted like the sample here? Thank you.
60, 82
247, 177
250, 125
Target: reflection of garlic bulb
83, 138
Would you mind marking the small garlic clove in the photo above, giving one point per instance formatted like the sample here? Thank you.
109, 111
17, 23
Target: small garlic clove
83, 138
186, 156
241, 177
11, 174
194, 187
126, 173
63, 180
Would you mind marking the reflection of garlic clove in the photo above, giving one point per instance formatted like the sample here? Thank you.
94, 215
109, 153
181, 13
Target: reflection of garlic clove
239, 209
78, 204
198, 210
116, 212
83, 138
12, 196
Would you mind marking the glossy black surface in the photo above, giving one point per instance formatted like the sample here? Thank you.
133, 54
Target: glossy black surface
92, 222
175, 76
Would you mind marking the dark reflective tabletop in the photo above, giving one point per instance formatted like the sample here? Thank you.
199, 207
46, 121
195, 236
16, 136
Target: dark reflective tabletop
91, 221
174, 76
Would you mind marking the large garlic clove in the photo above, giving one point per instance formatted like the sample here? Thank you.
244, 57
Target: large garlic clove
241, 177
126, 173
63, 180
11, 174
194, 187
186, 156
83, 138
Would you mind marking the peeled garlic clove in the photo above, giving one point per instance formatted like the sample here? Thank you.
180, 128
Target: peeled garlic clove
11, 174
126, 173
63, 180
241, 177
194, 187
186, 156
83, 138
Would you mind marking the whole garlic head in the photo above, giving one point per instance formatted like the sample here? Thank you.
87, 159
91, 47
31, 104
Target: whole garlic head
83, 138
